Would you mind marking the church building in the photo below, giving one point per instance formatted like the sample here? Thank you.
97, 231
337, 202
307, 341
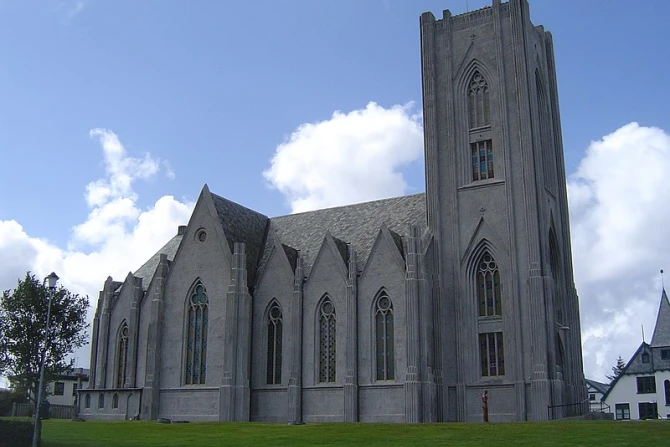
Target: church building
398, 310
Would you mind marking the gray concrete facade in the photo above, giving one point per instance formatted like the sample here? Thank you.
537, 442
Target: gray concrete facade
398, 310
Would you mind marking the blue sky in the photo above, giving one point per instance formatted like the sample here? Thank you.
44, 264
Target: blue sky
213, 89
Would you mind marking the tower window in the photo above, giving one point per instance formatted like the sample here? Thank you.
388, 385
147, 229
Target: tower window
384, 337
196, 348
492, 354
479, 104
327, 341
274, 344
488, 287
482, 160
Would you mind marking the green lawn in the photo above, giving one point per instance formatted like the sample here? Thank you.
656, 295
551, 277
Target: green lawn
64, 433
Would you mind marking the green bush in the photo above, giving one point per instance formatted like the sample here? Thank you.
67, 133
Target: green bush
15, 433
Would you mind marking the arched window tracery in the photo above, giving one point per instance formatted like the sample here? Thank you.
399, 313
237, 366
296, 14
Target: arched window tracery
488, 286
384, 337
122, 356
327, 341
196, 336
274, 354
479, 119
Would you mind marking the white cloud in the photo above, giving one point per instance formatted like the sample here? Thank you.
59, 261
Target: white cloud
117, 235
619, 220
352, 157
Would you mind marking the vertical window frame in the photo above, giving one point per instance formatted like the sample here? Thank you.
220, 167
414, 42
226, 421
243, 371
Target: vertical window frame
274, 332
327, 331
384, 337
197, 324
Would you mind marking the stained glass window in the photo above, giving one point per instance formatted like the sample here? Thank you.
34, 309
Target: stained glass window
274, 326
196, 343
482, 160
488, 287
492, 354
327, 341
122, 356
384, 337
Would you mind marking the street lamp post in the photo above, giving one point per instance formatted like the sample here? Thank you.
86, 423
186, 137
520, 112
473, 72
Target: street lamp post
37, 429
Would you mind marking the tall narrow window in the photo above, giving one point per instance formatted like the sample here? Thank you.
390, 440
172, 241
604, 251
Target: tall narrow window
327, 341
384, 337
488, 287
196, 348
479, 114
122, 356
479, 104
666, 384
492, 354
274, 344
555, 266
115, 401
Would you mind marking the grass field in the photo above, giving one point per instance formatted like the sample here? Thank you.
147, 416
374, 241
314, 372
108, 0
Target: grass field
64, 433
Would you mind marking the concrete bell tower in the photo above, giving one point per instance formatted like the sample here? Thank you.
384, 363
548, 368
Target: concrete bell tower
507, 310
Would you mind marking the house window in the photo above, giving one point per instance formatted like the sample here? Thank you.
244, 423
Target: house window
122, 356
648, 410
327, 341
482, 160
384, 337
646, 385
74, 389
59, 388
87, 401
622, 411
115, 401
592, 396
666, 386
665, 354
274, 344
101, 400
196, 337
645, 357
492, 354
488, 287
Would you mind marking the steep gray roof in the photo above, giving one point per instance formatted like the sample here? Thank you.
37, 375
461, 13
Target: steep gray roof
601, 387
241, 224
146, 272
661, 335
357, 225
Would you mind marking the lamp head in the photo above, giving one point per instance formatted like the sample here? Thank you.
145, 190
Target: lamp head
52, 279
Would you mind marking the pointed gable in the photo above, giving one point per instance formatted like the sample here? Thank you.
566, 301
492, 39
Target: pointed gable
661, 335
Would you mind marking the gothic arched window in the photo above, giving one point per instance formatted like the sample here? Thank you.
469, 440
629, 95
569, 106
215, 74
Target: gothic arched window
479, 114
196, 337
488, 286
115, 401
274, 344
384, 337
479, 104
87, 401
555, 265
121, 355
101, 400
327, 341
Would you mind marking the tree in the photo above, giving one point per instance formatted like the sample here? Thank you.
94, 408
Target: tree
617, 369
23, 315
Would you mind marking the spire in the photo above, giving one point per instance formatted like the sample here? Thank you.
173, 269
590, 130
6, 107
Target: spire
661, 335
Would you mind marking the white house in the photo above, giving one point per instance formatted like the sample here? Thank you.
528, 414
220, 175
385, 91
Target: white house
596, 390
642, 391
63, 390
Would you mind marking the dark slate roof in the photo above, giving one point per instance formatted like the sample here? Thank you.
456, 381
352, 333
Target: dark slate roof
599, 386
241, 224
357, 225
146, 272
661, 335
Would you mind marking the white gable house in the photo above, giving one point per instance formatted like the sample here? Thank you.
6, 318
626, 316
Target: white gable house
642, 391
